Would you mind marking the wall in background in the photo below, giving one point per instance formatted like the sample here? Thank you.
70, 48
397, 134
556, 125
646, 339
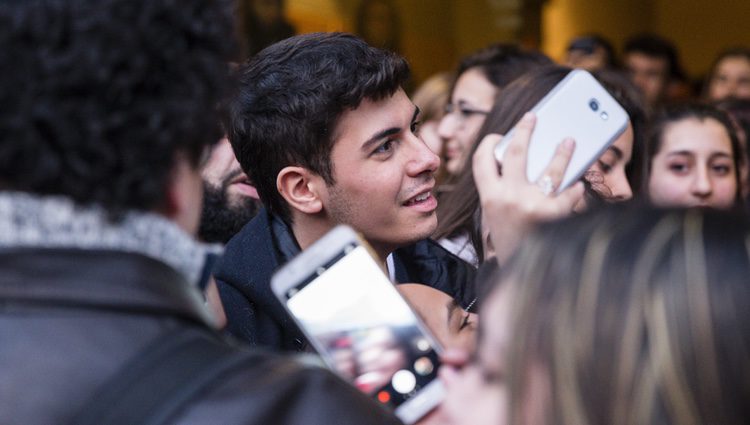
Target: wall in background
436, 33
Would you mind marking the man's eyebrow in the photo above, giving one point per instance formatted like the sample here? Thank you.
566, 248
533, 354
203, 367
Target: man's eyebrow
387, 132
379, 136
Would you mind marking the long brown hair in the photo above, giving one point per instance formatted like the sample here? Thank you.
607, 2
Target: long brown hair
458, 209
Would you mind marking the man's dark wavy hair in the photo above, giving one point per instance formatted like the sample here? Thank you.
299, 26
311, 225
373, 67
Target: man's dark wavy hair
291, 97
99, 96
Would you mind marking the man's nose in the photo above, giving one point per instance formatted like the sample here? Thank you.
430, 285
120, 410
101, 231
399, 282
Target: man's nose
421, 158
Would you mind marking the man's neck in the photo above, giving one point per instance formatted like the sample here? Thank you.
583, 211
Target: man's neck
306, 231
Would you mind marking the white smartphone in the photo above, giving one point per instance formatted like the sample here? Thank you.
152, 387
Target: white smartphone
577, 107
358, 322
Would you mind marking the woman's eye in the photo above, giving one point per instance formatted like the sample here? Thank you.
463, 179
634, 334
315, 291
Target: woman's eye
415, 126
678, 168
721, 170
606, 168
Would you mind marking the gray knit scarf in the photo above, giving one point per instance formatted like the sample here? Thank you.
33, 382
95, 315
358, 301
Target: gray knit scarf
30, 221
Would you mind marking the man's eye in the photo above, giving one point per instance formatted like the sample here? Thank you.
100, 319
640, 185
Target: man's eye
385, 147
415, 126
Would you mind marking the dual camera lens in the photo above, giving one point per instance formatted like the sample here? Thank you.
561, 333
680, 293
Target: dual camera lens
594, 105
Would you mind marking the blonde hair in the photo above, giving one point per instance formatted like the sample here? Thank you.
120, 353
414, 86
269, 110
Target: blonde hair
637, 317
432, 96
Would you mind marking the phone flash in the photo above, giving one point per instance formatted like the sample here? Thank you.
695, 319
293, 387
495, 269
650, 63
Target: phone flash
604, 115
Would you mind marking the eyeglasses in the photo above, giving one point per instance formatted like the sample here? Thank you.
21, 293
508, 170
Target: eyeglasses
464, 113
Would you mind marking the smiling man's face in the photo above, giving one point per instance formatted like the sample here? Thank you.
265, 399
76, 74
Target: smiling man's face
383, 174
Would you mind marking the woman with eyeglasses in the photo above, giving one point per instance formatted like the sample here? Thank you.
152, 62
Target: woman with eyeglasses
479, 78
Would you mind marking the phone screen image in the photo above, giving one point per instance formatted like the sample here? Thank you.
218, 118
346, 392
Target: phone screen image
363, 328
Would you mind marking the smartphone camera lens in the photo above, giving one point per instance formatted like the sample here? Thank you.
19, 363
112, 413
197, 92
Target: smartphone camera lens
594, 105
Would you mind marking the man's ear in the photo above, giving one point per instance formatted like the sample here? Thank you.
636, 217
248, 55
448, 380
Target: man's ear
301, 188
184, 195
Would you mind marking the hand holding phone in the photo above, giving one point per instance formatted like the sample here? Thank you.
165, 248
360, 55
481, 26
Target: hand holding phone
578, 108
360, 325
511, 204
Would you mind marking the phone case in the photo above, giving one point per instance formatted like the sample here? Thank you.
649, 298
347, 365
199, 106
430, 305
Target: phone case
356, 319
580, 108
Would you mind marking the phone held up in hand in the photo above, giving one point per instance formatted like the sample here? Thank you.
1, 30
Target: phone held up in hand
358, 322
577, 107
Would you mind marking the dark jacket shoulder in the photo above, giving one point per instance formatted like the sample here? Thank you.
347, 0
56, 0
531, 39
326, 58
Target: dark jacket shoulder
251, 257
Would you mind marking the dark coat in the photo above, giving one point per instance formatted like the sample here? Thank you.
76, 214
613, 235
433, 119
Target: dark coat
251, 257
71, 318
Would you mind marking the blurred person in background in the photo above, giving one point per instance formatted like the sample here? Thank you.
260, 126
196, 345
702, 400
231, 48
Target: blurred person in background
229, 198
693, 158
479, 79
739, 112
729, 75
431, 98
620, 316
590, 52
654, 67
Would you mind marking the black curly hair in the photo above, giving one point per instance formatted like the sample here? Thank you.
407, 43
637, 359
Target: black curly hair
99, 96
291, 97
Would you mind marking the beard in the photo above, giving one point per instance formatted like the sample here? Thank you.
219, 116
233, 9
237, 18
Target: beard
221, 218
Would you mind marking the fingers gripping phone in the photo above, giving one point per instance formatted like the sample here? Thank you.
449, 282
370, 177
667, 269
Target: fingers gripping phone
358, 322
577, 107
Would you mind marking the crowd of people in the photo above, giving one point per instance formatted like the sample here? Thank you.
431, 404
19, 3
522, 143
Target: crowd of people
150, 187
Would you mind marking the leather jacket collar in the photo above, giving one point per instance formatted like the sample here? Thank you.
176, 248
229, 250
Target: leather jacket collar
97, 279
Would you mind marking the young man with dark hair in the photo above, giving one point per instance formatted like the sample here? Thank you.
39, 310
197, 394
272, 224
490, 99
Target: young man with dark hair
651, 62
109, 107
327, 134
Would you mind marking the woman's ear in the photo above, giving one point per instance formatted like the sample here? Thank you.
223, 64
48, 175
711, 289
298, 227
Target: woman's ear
301, 188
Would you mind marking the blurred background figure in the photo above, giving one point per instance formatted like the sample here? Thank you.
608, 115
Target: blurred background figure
619, 317
431, 98
653, 64
378, 23
590, 52
479, 79
739, 112
693, 158
264, 24
729, 75
229, 198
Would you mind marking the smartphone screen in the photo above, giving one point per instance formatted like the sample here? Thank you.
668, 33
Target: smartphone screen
363, 328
